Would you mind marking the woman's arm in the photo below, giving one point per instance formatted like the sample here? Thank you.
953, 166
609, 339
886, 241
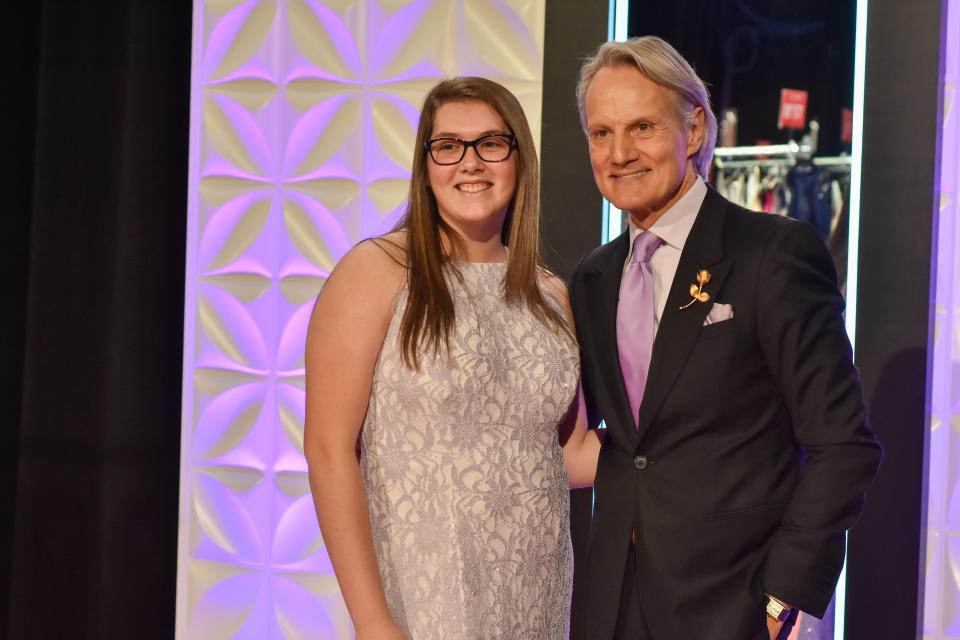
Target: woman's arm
581, 445
344, 339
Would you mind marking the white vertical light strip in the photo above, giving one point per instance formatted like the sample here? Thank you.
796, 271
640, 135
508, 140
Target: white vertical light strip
612, 221
612, 218
621, 8
853, 243
189, 320
853, 250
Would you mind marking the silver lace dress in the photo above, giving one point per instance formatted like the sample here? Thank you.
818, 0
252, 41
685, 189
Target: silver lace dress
464, 474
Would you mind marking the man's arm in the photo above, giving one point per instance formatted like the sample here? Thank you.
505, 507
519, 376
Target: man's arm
802, 334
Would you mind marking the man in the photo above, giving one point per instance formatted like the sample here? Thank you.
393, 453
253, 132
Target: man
737, 447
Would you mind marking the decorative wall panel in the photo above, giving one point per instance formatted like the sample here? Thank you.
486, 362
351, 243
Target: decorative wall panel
303, 123
942, 584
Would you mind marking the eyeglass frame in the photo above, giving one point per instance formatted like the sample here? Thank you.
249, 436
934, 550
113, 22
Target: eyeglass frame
471, 143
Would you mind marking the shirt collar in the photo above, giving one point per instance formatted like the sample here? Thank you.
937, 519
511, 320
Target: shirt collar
674, 225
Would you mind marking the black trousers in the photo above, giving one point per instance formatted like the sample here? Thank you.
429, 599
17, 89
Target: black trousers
630, 622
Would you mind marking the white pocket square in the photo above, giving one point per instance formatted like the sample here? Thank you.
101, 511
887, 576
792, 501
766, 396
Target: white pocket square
718, 313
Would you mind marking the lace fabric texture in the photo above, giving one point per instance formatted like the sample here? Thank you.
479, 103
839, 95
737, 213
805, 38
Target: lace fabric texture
464, 474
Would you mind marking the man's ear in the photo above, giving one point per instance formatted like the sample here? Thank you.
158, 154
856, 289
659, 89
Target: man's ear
695, 131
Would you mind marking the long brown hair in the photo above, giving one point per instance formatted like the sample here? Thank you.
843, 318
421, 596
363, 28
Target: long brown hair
429, 318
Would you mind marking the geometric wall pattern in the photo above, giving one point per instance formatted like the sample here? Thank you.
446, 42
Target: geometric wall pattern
303, 115
941, 618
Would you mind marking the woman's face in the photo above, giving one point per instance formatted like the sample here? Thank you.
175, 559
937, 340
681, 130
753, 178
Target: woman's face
473, 194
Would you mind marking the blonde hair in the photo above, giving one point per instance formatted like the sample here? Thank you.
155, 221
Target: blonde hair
662, 64
428, 319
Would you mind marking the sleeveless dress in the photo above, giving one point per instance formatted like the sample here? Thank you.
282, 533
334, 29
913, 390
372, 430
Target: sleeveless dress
466, 485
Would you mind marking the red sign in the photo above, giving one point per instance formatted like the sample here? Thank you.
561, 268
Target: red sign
846, 125
793, 109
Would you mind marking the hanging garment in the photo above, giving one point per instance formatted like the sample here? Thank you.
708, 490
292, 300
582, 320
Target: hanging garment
810, 198
753, 199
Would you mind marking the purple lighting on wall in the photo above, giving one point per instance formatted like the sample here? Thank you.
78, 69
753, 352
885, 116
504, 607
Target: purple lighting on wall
302, 130
942, 578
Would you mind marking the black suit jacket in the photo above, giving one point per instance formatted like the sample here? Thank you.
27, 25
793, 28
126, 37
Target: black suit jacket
753, 450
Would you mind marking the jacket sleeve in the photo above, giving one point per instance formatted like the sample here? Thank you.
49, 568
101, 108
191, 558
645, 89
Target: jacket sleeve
580, 318
803, 337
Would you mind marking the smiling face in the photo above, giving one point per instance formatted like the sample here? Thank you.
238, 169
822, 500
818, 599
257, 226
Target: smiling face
472, 195
639, 149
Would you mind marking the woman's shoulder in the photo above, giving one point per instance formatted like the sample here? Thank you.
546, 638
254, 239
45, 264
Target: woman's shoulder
375, 267
380, 254
392, 245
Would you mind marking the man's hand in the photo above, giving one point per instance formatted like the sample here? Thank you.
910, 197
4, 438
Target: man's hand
773, 627
778, 612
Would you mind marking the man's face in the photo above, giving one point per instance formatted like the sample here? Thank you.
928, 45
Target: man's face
638, 148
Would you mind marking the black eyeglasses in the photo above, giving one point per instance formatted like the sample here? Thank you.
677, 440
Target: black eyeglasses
492, 148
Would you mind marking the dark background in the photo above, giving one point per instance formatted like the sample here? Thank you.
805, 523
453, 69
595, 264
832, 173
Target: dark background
94, 164
746, 51
903, 113
96, 115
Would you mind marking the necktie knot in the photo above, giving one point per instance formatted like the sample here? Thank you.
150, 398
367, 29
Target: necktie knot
644, 245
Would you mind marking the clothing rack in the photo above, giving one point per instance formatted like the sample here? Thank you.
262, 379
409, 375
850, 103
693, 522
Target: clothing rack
790, 149
780, 155
788, 179
839, 164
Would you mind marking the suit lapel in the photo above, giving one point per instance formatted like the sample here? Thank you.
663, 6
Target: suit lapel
679, 329
603, 290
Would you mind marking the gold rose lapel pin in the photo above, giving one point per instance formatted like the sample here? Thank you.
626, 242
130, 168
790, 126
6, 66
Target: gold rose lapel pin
697, 294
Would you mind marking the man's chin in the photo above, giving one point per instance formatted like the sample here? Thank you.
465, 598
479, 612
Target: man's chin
620, 203
626, 205
625, 200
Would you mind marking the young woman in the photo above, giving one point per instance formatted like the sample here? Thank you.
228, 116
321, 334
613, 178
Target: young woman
446, 349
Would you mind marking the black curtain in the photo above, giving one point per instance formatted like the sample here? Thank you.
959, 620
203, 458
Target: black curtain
92, 249
747, 50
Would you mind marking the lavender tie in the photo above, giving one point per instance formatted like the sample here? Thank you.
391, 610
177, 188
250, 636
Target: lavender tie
635, 317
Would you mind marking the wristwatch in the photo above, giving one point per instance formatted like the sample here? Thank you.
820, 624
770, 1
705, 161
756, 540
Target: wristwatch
776, 609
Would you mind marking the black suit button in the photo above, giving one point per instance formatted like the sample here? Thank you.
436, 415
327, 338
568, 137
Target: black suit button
641, 462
